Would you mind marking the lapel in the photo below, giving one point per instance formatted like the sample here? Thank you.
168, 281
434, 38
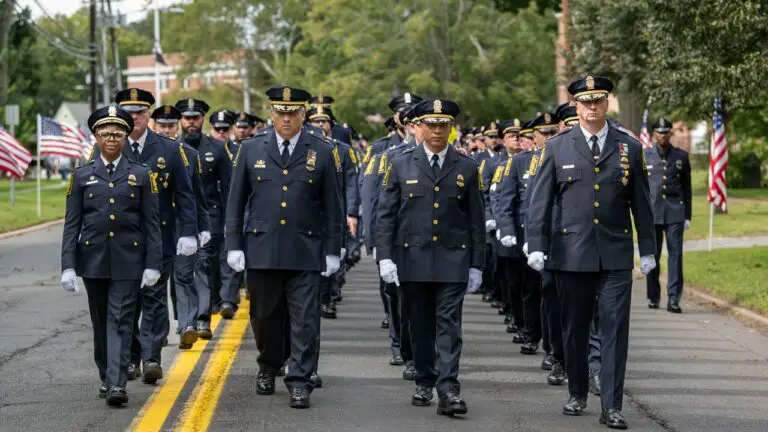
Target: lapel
420, 159
150, 146
300, 151
121, 170
611, 144
100, 169
272, 148
580, 144
449, 164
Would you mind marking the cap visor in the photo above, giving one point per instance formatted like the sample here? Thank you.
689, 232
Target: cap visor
166, 121
286, 108
436, 120
191, 113
591, 96
221, 125
134, 108
662, 130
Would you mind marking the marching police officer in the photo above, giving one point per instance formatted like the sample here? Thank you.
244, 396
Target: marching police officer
590, 179
431, 213
669, 176
221, 122
167, 163
285, 177
166, 119
112, 240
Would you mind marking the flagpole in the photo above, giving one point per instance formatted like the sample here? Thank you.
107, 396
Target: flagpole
711, 224
13, 179
158, 94
39, 206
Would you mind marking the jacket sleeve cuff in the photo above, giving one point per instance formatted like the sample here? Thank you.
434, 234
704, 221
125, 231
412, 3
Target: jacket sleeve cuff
188, 230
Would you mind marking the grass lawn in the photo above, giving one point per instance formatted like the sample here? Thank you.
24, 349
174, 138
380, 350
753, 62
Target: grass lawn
25, 211
737, 275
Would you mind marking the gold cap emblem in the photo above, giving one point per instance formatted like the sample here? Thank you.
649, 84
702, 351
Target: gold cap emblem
517, 123
190, 103
134, 95
167, 109
572, 103
547, 118
437, 106
407, 98
321, 99
113, 111
242, 116
286, 94
221, 115
590, 82
320, 109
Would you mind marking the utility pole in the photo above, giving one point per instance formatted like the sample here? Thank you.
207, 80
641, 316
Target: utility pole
93, 51
158, 92
105, 93
246, 88
115, 52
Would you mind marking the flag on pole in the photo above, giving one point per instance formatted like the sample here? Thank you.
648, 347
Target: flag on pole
14, 157
645, 137
64, 140
158, 51
718, 160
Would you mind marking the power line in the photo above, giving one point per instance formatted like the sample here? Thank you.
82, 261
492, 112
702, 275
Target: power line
74, 52
58, 24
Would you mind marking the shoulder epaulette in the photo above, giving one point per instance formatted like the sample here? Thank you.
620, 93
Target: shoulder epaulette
90, 162
183, 155
137, 163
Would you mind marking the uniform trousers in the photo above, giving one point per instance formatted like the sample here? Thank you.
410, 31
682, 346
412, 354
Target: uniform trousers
511, 275
488, 272
594, 343
152, 308
436, 314
674, 235
552, 329
531, 295
112, 305
187, 299
613, 291
275, 295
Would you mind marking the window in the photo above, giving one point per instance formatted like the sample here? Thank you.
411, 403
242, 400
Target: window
185, 83
164, 84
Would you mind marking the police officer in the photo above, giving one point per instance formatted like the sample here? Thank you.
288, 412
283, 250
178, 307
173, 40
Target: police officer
669, 176
167, 163
338, 131
431, 213
285, 176
112, 240
591, 177
166, 118
211, 269
221, 122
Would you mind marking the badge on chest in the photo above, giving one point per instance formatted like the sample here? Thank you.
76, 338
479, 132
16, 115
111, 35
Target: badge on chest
311, 160
161, 163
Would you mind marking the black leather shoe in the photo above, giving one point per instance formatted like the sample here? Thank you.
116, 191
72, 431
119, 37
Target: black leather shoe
653, 304
188, 338
409, 373
227, 310
451, 404
116, 396
512, 328
317, 380
613, 419
547, 362
574, 407
165, 342
507, 318
496, 304
283, 371
265, 383
215, 309
674, 308
385, 323
339, 299
594, 385
299, 398
529, 348
519, 338
333, 306
152, 372
557, 375
396, 360
328, 312
486, 297
422, 396
103, 390
204, 330
502, 311
134, 371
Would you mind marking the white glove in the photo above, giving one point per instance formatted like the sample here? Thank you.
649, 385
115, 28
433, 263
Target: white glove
490, 225
236, 260
388, 272
525, 249
69, 281
374, 254
508, 241
647, 263
186, 246
204, 237
343, 253
498, 235
536, 260
475, 280
332, 264
687, 224
149, 278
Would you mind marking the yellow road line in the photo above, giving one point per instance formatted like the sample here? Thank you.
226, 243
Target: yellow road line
159, 405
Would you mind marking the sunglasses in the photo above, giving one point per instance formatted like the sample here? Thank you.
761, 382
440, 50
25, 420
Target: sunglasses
111, 136
221, 129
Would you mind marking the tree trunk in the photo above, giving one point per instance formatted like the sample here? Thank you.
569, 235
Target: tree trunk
631, 106
6, 21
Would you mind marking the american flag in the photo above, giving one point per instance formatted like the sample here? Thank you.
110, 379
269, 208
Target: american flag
59, 139
14, 157
645, 138
718, 160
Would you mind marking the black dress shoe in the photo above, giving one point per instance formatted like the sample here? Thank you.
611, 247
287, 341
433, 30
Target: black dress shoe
265, 383
134, 371
653, 304
529, 348
512, 328
674, 308
204, 330
486, 297
339, 299
396, 360
507, 318
299, 398
385, 323
409, 373
496, 304
215, 309
328, 312
502, 311
422, 396
613, 419
188, 338
165, 342
547, 362
333, 307
152, 372
103, 390
594, 385
116, 396
574, 407
283, 371
519, 338
317, 380
227, 310
557, 375
451, 404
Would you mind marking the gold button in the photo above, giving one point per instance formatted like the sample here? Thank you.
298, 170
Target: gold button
283, 204
309, 232
597, 169
132, 195
463, 246
214, 206
434, 238
663, 177
597, 204
565, 231
406, 245
111, 200
255, 230
258, 178
111, 234
663, 186
285, 172
664, 196
459, 197
111, 185
434, 222
597, 221
597, 187
87, 242
111, 217
437, 205
570, 178
163, 223
626, 231
90, 195
310, 181
282, 221
410, 195
285, 188
210, 169
437, 188
135, 243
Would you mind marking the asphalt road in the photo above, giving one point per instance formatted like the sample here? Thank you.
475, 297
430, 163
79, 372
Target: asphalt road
701, 371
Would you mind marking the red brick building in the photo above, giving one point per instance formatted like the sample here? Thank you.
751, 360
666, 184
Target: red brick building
140, 73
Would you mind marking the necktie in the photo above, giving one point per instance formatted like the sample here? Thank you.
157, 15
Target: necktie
285, 154
136, 152
436, 165
111, 168
595, 147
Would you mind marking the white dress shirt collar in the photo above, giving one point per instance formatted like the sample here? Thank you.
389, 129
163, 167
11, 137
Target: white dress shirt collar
115, 162
602, 134
293, 141
440, 156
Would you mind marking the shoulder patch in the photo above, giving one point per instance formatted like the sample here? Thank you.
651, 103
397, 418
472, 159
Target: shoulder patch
152, 182
481, 167
383, 163
71, 183
371, 165
386, 175
541, 157
93, 150
336, 158
368, 152
497, 174
508, 166
353, 155
183, 155
534, 164
200, 165
237, 156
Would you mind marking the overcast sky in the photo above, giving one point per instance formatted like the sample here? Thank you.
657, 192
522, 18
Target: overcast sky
132, 8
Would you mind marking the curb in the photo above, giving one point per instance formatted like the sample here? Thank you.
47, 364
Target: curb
29, 229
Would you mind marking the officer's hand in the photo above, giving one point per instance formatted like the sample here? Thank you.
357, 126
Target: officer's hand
204, 237
536, 260
508, 241
475, 280
352, 224
149, 278
647, 263
490, 225
388, 272
687, 224
525, 249
186, 246
332, 264
69, 281
236, 260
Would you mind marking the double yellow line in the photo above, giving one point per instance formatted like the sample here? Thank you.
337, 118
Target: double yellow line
199, 408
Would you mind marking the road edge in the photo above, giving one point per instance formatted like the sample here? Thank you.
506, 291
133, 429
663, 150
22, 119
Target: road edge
30, 229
